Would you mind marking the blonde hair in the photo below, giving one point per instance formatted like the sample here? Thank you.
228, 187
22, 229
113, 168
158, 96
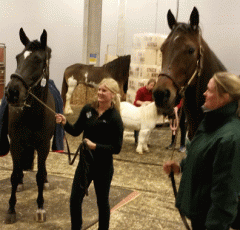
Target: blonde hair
113, 86
227, 83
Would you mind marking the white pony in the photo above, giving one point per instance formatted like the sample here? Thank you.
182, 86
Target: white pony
142, 118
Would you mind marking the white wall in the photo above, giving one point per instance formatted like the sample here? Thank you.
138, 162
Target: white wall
220, 23
63, 20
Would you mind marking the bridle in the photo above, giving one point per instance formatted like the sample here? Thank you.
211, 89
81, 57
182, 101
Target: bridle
29, 89
198, 70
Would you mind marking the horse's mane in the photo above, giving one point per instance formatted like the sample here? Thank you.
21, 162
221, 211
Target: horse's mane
184, 27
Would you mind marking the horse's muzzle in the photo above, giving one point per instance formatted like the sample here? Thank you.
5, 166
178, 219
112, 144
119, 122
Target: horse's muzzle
14, 97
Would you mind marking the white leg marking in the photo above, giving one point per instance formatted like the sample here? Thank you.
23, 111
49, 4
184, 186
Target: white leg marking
72, 83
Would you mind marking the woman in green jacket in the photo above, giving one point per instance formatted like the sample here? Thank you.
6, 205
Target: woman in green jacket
210, 183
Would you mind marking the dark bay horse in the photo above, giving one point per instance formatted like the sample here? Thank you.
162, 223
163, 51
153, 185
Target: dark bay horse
31, 125
91, 76
187, 66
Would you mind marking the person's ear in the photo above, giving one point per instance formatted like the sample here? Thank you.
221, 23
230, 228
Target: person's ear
227, 97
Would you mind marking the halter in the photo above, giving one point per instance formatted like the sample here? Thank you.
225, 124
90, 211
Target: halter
197, 72
29, 88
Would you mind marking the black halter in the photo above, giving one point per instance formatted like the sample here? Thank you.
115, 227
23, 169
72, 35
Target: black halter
29, 88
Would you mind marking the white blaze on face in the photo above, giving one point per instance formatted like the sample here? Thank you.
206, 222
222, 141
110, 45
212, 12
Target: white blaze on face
27, 53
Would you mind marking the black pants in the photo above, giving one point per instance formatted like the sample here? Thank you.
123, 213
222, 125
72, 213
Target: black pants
101, 173
198, 225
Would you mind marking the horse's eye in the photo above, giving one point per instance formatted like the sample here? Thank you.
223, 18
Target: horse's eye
191, 50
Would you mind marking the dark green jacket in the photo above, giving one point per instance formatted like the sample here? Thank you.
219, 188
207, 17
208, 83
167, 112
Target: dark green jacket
210, 182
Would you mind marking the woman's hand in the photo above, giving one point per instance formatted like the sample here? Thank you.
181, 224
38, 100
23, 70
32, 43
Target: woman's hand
60, 119
90, 144
171, 166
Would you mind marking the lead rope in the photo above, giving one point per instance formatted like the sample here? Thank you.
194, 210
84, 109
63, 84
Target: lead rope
70, 161
171, 175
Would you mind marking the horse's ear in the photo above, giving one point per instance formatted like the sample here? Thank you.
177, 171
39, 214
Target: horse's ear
171, 19
43, 39
194, 18
23, 37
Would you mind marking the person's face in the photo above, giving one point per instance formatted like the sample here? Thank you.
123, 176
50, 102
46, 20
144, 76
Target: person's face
150, 86
104, 94
212, 98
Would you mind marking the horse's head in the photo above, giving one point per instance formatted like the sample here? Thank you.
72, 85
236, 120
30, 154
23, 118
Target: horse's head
32, 69
181, 54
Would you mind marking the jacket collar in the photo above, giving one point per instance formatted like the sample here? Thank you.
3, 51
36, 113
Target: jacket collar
94, 105
216, 118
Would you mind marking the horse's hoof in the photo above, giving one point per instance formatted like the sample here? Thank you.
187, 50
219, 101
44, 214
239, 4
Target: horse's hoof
41, 216
11, 218
46, 186
20, 188
139, 152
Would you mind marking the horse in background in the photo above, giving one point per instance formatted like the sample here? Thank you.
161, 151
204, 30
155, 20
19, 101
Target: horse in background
187, 66
30, 124
91, 76
143, 119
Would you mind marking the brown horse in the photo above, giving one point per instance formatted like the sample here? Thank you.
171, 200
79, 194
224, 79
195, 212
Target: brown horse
187, 66
31, 125
91, 76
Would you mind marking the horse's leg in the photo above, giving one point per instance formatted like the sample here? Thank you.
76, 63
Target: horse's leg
41, 178
20, 186
145, 145
16, 178
72, 84
141, 138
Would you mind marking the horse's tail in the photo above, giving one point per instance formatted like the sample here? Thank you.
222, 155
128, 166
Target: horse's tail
64, 89
27, 159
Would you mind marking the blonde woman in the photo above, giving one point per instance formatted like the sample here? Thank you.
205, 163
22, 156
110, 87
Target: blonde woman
210, 183
102, 129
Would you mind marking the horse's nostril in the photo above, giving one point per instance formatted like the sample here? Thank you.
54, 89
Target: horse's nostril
161, 98
12, 95
166, 95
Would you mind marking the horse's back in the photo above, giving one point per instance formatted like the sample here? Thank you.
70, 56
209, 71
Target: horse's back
75, 70
131, 116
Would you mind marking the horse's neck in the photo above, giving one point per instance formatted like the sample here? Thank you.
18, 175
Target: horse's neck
194, 95
210, 65
211, 62
41, 94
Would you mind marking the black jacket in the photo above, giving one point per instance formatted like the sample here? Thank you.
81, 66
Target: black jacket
106, 131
